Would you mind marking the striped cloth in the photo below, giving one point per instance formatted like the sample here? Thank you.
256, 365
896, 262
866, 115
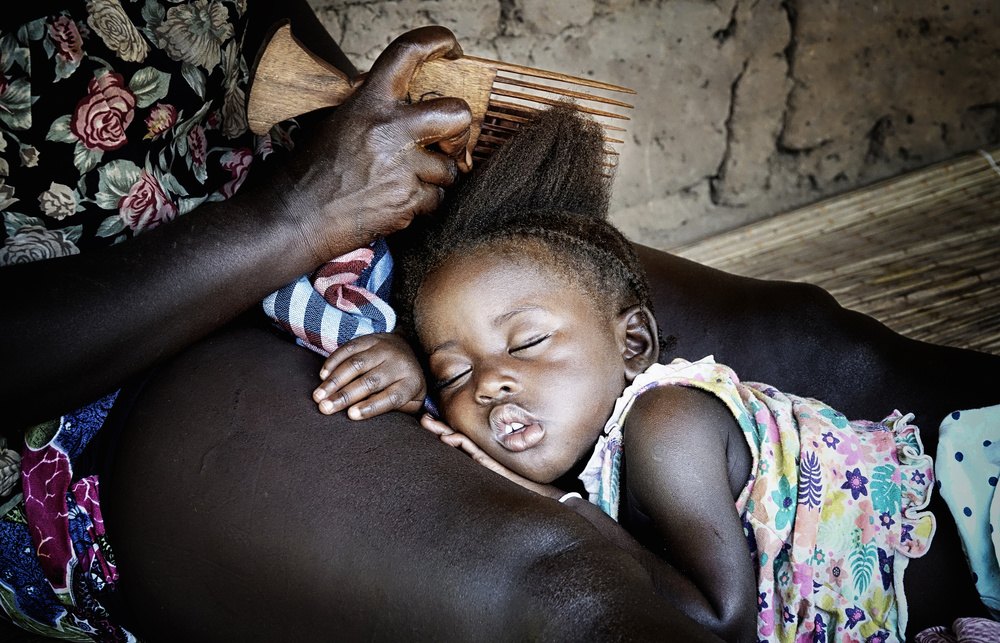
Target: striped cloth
342, 299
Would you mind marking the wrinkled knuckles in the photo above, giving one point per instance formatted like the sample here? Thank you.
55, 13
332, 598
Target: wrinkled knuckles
372, 382
386, 142
357, 363
395, 401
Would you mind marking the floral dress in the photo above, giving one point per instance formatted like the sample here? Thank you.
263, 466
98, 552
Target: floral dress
832, 511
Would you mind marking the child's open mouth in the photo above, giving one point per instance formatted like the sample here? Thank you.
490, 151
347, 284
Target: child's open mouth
514, 428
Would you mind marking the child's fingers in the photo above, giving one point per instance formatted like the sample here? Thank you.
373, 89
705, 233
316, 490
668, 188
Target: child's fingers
435, 426
348, 362
332, 397
482, 458
451, 439
463, 442
343, 351
396, 396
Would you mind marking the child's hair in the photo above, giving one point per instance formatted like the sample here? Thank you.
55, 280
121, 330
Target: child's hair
548, 186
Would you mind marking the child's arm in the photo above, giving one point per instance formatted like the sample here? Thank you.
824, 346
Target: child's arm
371, 375
680, 443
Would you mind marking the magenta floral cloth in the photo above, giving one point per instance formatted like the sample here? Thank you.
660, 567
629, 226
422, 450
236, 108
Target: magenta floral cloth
55, 563
832, 512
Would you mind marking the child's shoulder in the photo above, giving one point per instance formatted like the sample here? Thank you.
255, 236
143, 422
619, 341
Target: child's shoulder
677, 413
679, 435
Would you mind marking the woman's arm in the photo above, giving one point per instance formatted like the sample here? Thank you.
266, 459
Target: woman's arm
75, 327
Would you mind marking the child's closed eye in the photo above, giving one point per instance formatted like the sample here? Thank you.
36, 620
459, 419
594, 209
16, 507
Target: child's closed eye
448, 381
530, 343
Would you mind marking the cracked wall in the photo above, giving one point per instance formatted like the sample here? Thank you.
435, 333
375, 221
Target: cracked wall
745, 107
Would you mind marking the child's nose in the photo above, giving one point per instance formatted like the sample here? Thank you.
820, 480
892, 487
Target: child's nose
495, 384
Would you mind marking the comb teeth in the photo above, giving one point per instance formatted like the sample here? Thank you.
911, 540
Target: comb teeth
515, 101
551, 75
556, 90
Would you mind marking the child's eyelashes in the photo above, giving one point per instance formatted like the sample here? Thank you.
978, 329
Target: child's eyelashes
528, 344
445, 383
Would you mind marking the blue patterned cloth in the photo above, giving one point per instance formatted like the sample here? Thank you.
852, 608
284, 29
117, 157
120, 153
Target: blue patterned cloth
343, 299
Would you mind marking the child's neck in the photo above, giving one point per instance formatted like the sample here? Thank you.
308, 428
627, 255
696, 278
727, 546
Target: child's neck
570, 481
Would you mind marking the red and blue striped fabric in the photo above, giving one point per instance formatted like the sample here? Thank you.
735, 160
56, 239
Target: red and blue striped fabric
342, 299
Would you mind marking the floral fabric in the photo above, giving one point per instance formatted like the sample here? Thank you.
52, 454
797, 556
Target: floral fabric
831, 512
117, 116
55, 562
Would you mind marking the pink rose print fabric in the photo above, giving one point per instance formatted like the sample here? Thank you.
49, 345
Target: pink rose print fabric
161, 118
116, 117
833, 510
103, 115
146, 205
68, 44
238, 164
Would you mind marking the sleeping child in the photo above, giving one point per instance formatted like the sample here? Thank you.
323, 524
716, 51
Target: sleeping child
761, 514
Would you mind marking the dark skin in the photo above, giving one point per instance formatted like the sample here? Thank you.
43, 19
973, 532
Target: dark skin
500, 333
371, 375
236, 516
244, 514
457, 552
705, 466
795, 337
704, 570
511, 339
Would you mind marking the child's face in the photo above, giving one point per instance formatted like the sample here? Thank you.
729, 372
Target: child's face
528, 367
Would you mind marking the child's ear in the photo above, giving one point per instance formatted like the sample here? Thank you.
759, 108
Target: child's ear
639, 340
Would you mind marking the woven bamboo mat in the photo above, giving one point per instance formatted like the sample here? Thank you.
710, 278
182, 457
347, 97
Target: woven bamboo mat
920, 252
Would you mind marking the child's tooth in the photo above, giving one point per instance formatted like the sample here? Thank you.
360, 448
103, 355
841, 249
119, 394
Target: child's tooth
513, 426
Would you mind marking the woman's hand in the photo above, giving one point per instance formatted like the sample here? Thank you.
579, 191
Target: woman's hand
376, 374
362, 174
461, 441
367, 170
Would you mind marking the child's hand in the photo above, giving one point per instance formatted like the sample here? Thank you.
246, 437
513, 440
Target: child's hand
461, 441
375, 373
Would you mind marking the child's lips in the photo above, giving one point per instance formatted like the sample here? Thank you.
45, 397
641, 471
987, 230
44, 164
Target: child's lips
514, 428
523, 438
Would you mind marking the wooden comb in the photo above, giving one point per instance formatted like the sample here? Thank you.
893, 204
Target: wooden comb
289, 80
